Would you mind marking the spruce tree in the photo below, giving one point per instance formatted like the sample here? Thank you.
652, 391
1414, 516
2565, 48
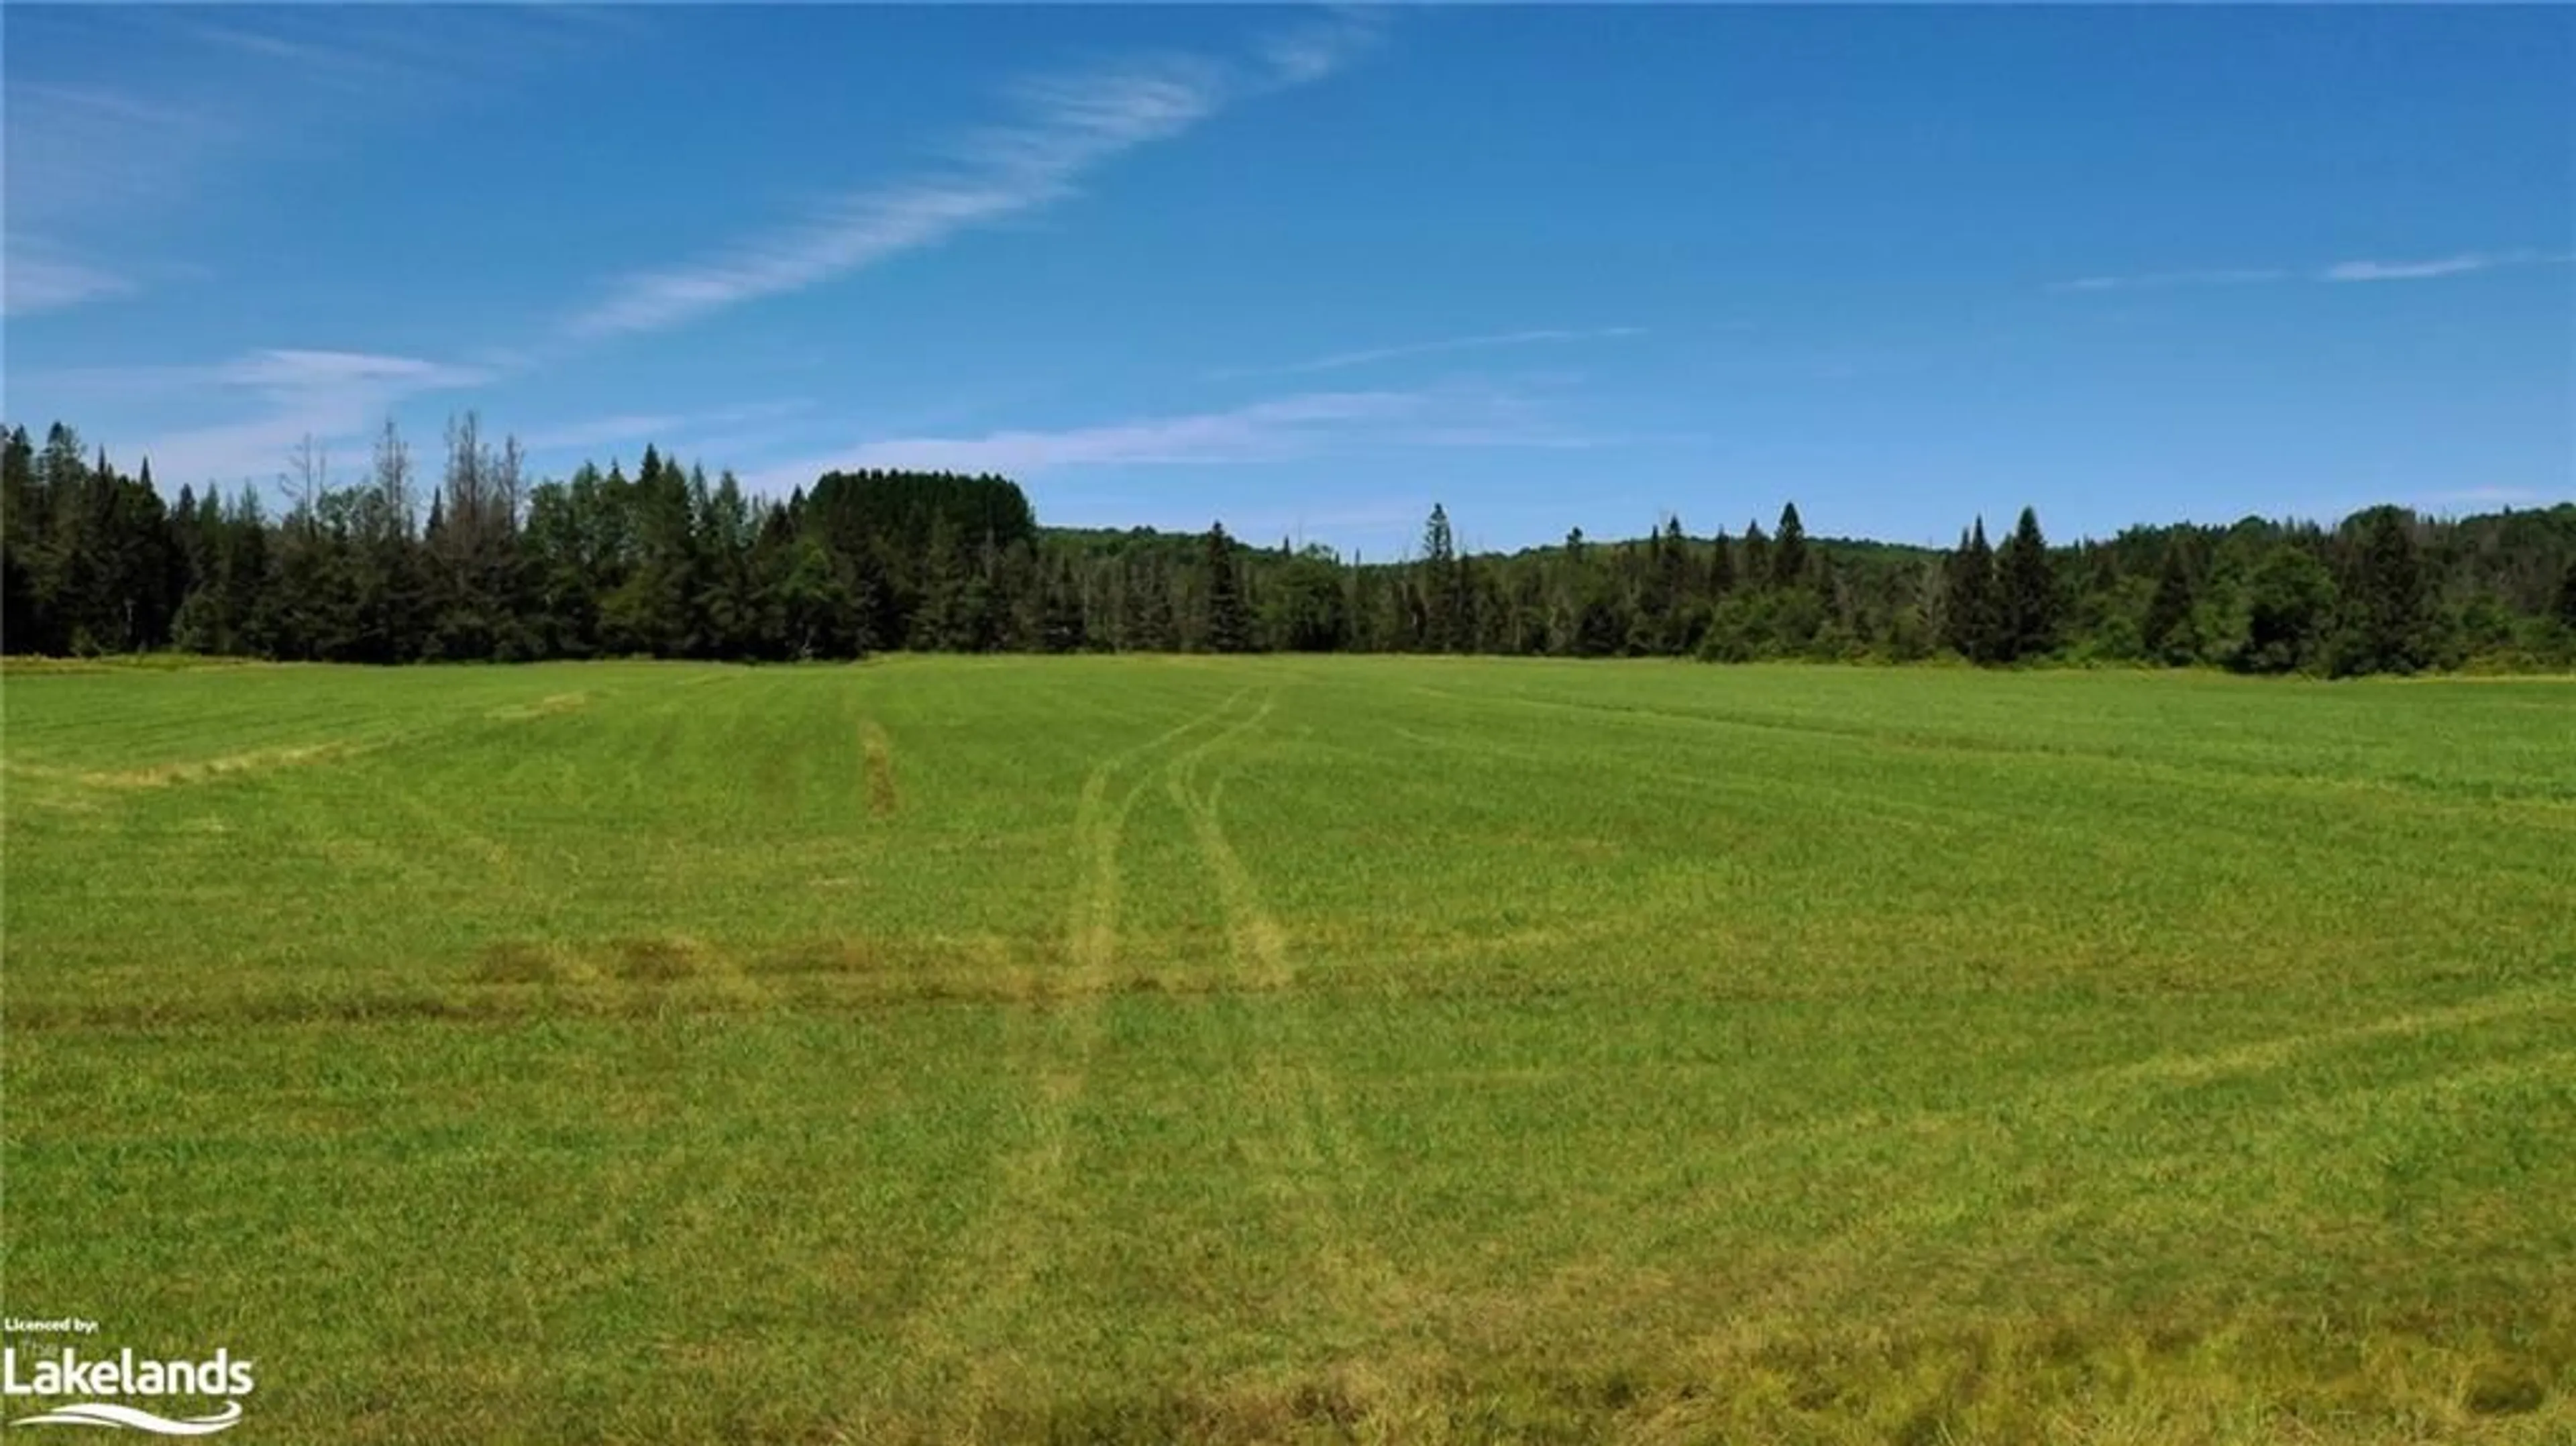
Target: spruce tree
2027, 583
1668, 622
1442, 626
1757, 557
1789, 550
1229, 624
1721, 566
1971, 615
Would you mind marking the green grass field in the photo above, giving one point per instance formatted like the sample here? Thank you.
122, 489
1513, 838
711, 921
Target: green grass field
1391, 1050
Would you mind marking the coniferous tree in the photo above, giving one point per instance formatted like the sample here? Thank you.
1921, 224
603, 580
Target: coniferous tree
1789, 550
1442, 602
1756, 571
24, 600
1721, 567
2026, 583
1970, 610
1229, 625
1669, 607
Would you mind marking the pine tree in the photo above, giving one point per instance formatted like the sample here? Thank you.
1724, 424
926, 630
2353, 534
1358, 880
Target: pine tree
1789, 550
1721, 567
2028, 586
1229, 625
1670, 622
1970, 615
1442, 605
1756, 571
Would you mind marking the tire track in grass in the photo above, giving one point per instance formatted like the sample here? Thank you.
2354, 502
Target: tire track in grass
1301, 1142
945, 1358
1831, 1266
876, 751
181, 772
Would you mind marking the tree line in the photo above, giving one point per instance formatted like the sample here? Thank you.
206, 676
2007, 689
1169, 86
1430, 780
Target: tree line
478, 561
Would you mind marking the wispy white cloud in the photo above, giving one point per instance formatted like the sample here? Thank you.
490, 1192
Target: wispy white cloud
1342, 360
313, 61
32, 281
664, 427
1064, 128
2456, 265
1264, 431
336, 397
392, 53
1277, 430
89, 149
2238, 276
2460, 264
305, 374
1312, 52
82, 153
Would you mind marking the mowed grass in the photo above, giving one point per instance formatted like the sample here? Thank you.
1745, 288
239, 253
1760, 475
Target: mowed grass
1389, 1050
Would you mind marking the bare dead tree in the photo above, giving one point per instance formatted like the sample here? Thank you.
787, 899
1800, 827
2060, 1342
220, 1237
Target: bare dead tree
506, 469
466, 504
308, 475
393, 480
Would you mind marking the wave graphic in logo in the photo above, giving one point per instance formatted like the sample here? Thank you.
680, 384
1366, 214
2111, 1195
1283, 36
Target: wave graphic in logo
105, 1413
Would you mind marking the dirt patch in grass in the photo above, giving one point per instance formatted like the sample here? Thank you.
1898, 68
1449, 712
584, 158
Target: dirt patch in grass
655, 960
878, 751
514, 961
548, 706
163, 775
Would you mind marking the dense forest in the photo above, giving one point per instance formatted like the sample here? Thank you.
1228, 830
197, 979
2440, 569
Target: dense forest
481, 562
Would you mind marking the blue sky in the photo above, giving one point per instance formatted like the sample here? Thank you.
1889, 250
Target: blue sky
1309, 270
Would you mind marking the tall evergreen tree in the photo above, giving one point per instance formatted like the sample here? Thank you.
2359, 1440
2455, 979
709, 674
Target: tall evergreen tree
1970, 611
1443, 606
1229, 623
1789, 550
2027, 584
